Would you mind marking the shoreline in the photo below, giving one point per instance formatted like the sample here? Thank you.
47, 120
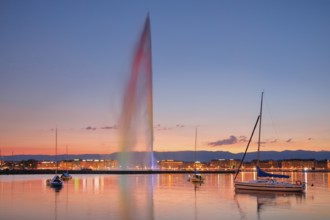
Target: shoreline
127, 172
37, 172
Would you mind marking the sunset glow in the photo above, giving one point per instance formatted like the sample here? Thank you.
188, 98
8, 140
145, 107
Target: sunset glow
95, 78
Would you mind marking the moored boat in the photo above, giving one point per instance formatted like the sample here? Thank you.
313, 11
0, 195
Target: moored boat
265, 181
269, 185
55, 181
196, 177
66, 176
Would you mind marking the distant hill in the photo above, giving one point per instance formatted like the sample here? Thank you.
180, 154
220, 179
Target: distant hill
203, 156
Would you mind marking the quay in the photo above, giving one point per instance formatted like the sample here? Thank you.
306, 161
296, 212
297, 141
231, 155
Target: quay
31, 172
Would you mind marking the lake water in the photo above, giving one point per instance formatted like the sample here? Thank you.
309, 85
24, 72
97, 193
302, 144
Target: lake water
158, 196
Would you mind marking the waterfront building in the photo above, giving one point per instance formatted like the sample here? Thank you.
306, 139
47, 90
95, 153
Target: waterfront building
98, 164
299, 164
322, 165
269, 164
221, 164
45, 165
65, 165
170, 164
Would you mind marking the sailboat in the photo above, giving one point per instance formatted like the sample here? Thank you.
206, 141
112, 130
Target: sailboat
56, 180
196, 177
66, 175
265, 181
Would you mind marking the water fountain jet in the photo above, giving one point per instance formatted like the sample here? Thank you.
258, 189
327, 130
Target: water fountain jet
136, 119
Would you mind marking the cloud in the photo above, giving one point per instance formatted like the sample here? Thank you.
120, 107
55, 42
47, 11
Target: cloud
109, 127
90, 128
163, 128
242, 139
159, 127
273, 141
229, 141
270, 140
289, 140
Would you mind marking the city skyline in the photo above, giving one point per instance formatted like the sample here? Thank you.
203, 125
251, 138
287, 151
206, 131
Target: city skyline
64, 65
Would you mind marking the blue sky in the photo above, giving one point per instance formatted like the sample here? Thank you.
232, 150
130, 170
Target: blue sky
64, 64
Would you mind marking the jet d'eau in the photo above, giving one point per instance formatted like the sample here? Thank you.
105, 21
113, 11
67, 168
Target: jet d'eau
136, 119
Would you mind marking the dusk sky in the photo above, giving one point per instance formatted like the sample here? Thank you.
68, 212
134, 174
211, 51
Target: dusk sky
64, 64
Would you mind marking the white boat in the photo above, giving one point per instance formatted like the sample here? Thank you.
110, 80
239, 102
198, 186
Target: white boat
56, 180
265, 181
270, 184
196, 177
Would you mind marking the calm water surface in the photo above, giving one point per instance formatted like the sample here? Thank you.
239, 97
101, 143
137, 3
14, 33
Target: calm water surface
159, 196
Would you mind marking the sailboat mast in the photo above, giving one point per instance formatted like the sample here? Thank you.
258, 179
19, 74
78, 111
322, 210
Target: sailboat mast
195, 146
247, 147
67, 156
260, 119
56, 150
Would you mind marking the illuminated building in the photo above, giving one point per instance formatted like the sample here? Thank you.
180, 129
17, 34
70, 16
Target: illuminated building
170, 164
98, 164
298, 164
43, 165
270, 164
224, 164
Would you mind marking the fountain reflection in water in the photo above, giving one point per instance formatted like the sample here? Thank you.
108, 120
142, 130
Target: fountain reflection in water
136, 197
136, 119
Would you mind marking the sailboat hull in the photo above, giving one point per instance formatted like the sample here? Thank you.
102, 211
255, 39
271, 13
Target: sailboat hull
66, 177
55, 182
269, 185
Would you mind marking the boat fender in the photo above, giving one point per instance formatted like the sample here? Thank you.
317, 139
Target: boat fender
298, 182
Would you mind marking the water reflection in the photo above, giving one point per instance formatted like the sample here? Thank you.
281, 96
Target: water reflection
197, 186
55, 203
163, 196
131, 195
136, 196
267, 200
56, 188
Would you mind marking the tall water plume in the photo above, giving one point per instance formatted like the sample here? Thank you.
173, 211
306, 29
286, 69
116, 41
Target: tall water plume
136, 119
